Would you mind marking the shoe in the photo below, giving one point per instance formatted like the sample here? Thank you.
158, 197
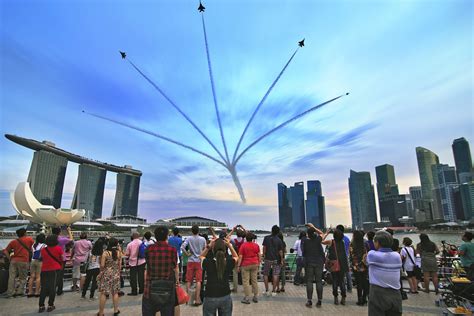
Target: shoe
51, 308
30, 295
255, 299
37, 295
436, 291
274, 293
282, 290
140, 292
132, 294
59, 293
336, 301
121, 293
343, 301
91, 299
41, 309
266, 293
318, 304
83, 297
18, 295
245, 301
116, 314
309, 304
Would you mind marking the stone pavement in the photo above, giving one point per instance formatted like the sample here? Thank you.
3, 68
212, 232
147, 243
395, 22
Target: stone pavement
292, 302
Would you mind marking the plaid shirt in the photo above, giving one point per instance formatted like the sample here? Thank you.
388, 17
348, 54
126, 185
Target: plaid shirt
161, 260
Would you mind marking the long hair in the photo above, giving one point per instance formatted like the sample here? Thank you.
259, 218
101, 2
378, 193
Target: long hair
426, 244
112, 247
358, 241
219, 252
98, 248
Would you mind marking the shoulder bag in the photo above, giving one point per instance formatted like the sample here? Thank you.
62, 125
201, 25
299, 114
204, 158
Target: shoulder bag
416, 269
333, 265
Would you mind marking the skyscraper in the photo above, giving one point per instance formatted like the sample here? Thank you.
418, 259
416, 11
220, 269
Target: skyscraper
296, 202
444, 180
362, 198
284, 210
46, 177
126, 195
315, 208
426, 159
462, 156
386, 183
89, 193
390, 202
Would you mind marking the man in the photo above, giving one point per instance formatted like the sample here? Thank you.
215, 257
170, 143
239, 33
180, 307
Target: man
176, 241
273, 259
313, 255
466, 252
161, 263
19, 262
148, 239
236, 243
384, 277
82, 247
196, 244
137, 265
299, 259
347, 244
62, 242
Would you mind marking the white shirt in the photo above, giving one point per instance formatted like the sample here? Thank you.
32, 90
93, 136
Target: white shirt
297, 247
408, 263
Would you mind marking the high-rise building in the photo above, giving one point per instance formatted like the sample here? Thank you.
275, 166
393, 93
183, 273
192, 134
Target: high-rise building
444, 180
296, 202
386, 183
463, 196
126, 195
284, 210
46, 177
89, 193
426, 159
417, 204
462, 156
315, 208
362, 198
393, 208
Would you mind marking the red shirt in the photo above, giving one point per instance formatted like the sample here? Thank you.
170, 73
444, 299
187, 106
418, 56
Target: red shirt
161, 260
249, 252
20, 254
49, 263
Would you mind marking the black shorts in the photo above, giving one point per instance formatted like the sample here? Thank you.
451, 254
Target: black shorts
410, 274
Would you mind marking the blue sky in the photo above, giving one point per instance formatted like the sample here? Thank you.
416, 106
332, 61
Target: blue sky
407, 64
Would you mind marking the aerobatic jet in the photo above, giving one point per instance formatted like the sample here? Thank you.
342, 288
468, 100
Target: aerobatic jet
201, 7
301, 43
123, 54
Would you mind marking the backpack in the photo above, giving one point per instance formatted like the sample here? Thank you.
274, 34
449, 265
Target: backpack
141, 250
37, 253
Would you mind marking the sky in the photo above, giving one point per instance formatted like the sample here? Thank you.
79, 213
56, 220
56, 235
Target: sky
408, 66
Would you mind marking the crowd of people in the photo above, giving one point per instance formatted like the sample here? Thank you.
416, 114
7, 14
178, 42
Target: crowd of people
374, 263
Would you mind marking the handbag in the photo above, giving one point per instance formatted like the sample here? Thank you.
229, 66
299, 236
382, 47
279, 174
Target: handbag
333, 265
416, 269
162, 292
182, 296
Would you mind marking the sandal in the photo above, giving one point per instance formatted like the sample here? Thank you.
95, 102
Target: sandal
41, 309
116, 313
51, 308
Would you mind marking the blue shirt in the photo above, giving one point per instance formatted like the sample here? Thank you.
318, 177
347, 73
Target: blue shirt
384, 268
347, 244
176, 242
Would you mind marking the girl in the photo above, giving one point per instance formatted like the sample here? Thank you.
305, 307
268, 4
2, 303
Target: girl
109, 276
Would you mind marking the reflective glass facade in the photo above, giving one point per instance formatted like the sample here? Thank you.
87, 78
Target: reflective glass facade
362, 198
89, 193
126, 195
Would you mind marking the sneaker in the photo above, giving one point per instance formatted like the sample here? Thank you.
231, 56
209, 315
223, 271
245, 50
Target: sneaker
318, 304
343, 301
255, 299
245, 301
309, 304
51, 308
274, 293
83, 297
266, 293
41, 309
336, 301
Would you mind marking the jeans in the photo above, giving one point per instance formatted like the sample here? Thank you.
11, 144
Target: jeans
91, 275
48, 287
140, 272
362, 283
384, 301
349, 281
212, 305
338, 282
249, 277
20, 268
313, 271
150, 309
299, 267
283, 275
60, 280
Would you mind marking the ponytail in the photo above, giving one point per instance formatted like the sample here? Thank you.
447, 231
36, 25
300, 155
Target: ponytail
220, 264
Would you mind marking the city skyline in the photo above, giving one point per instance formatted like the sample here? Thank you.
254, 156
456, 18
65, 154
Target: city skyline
56, 68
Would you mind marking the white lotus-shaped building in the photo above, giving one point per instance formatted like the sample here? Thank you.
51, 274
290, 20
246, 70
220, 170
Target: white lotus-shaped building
30, 208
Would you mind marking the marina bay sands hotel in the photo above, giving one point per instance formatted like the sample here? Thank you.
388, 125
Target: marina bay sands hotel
48, 169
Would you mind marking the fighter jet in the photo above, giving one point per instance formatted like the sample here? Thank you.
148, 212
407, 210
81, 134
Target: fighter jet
201, 7
123, 54
301, 43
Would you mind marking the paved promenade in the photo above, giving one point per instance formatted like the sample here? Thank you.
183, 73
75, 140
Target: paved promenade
289, 303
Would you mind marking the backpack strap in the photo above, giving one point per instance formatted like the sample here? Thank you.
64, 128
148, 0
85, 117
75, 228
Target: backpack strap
409, 256
25, 247
51, 255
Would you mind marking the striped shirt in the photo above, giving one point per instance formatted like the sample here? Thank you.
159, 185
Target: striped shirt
384, 268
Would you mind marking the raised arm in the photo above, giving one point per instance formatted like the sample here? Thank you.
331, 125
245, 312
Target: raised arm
69, 231
212, 231
231, 232
235, 256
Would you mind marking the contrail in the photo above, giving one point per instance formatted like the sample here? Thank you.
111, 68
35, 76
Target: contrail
158, 136
211, 76
284, 124
261, 102
233, 172
176, 107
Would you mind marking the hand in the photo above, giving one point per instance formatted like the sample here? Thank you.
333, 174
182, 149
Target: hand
227, 242
68, 228
238, 269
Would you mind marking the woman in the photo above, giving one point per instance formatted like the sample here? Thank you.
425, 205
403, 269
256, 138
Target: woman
358, 253
109, 276
337, 252
35, 266
93, 268
369, 244
218, 268
408, 258
52, 256
283, 267
249, 261
428, 251
297, 280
